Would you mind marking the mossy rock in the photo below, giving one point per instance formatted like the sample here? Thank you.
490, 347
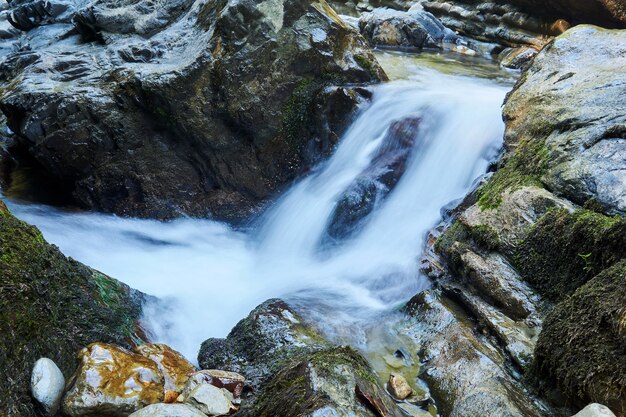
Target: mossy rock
581, 351
565, 250
336, 381
52, 306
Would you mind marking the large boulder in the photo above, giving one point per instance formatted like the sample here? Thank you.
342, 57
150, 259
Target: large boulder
52, 306
161, 108
567, 109
293, 371
414, 28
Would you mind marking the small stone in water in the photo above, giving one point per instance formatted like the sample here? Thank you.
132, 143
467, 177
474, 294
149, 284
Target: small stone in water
399, 387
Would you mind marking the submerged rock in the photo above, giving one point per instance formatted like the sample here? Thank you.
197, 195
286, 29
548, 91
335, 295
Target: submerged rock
150, 109
47, 385
52, 306
399, 386
112, 381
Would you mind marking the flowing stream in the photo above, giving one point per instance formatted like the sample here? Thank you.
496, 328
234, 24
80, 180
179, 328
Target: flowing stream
211, 275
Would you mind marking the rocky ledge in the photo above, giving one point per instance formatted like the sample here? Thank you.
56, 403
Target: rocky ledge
537, 255
157, 110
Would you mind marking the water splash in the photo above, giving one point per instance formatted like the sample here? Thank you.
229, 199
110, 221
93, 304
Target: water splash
211, 276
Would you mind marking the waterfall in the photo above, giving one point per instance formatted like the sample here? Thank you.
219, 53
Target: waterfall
210, 275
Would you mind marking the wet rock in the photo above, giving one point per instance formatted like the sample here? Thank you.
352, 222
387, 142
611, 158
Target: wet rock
51, 305
333, 382
505, 23
577, 135
211, 400
465, 372
595, 410
175, 369
47, 384
580, 352
159, 109
168, 410
230, 381
259, 344
517, 58
414, 28
399, 387
376, 182
112, 381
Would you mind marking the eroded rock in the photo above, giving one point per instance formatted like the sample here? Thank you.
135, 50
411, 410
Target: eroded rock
399, 386
112, 381
595, 410
211, 400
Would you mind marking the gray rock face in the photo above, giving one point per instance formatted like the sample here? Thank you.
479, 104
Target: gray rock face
168, 410
414, 28
465, 373
161, 108
47, 384
558, 102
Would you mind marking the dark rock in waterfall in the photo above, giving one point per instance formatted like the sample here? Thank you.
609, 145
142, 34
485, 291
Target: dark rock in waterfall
156, 110
377, 181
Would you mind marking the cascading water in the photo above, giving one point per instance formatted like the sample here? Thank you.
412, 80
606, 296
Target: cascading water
211, 276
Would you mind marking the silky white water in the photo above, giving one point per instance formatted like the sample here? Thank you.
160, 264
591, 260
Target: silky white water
211, 276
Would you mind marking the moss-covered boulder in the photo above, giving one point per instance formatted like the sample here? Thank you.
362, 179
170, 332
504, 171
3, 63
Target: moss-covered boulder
582, 348
52, 306
293, 371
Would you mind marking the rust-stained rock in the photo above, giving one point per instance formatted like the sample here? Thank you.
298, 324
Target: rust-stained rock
399, 387
111, 381
172, 365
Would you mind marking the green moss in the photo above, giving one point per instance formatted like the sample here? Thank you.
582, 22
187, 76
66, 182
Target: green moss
565, 250
51, 306
524, 166
367, 64
581, 352
458, 238
486, 236
297, 112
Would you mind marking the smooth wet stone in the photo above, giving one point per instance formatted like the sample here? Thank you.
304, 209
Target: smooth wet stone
399, 386
211, 400
168, 410
175, 369
595, 410
47, 385
112, 381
